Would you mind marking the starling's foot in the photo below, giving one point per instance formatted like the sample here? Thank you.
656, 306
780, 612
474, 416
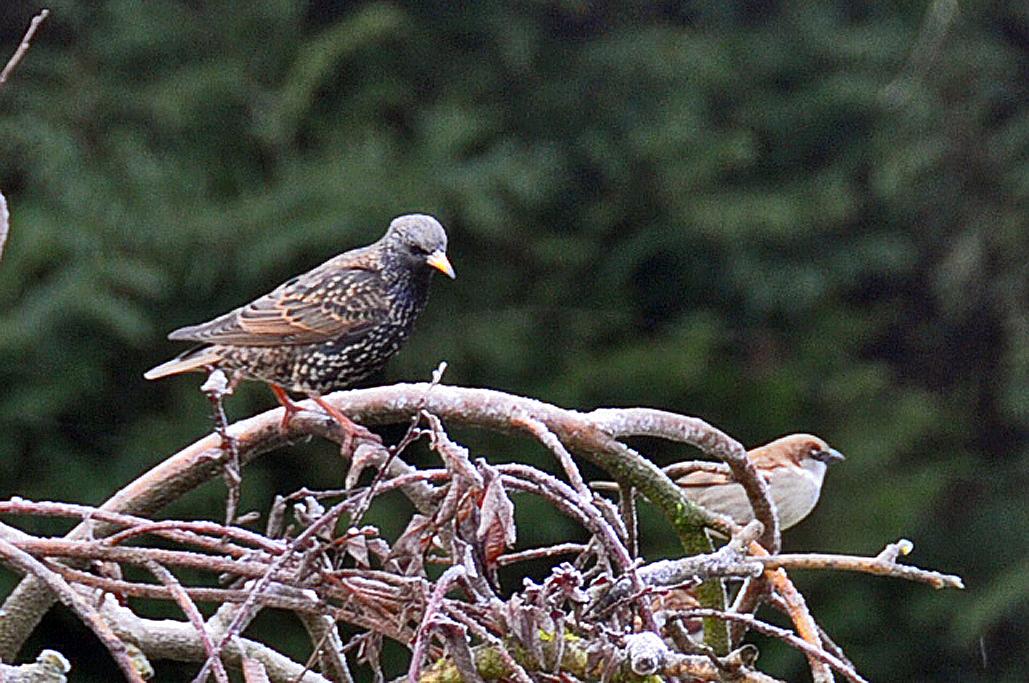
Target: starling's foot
287, 403
351, 429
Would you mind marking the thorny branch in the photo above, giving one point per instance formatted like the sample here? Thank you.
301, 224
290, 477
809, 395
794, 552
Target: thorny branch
595, 616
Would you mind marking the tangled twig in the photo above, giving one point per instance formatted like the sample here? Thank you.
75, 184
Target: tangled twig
327, 568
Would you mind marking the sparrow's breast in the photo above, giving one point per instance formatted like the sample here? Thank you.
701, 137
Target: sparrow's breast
794, 492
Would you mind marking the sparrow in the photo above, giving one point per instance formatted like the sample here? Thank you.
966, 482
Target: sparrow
329, 327
793, 467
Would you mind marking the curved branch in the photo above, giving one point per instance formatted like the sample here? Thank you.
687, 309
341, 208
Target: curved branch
621, 422
584, 434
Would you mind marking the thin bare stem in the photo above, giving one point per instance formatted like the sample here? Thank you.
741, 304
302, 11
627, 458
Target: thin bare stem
195, 533
192, 613
216, 388
23, 47
213, 595
546, 553
250, 605
5, 222
451, 576
867, 565
784, 635
550, 440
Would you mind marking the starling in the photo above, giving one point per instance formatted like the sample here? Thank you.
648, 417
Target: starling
331, 326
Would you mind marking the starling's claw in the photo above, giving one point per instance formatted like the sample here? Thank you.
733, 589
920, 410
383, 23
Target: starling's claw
351, 429
290, 408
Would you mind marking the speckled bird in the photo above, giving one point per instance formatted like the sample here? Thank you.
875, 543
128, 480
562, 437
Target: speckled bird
328, 328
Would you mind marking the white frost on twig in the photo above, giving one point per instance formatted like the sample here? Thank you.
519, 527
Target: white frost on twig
5, 221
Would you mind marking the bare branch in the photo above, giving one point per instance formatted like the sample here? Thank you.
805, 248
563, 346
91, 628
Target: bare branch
26, 564
546, 553
23, 47
192, 613
550, 440
450, 577
621, 422
195, 533
867, 565
216, 388
5, 222
590, 618
782, 634
50, 667
249, 607
254, 672
179, 641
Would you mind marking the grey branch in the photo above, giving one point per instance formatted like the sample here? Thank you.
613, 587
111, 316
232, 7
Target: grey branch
179, 641
23, 47
50, 667
5, 222
388, 593
25, 563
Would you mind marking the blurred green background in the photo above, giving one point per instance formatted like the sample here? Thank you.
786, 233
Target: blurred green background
778, 216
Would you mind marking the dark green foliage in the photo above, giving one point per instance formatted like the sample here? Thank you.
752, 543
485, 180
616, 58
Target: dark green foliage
777, 216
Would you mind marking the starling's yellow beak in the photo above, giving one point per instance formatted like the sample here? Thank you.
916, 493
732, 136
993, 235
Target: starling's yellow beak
440, 262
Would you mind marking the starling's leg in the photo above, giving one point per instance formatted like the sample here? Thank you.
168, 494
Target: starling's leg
287, 403
352, 429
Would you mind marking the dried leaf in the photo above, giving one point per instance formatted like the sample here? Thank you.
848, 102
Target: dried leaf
367, 455
408, 554
357, 548
496, 532
370, 652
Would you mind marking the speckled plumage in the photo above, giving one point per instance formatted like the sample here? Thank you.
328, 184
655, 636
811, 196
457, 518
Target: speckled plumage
331, 326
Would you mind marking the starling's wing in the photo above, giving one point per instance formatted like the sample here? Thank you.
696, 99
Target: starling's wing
329, 302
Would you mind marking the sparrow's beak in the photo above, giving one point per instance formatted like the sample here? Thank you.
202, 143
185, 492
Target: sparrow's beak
440, 262
832, 455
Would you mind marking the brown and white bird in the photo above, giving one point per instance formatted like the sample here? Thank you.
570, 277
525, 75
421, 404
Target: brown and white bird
328, 328
793, 466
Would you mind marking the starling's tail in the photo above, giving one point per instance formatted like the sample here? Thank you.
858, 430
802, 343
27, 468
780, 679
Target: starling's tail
195, 359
